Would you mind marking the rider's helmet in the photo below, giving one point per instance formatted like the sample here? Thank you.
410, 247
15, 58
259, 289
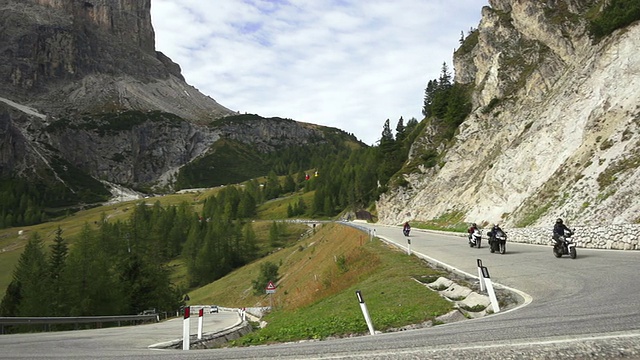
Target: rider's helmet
474, 225
559, 221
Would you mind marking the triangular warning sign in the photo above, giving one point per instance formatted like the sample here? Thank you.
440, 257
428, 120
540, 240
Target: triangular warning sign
270, 286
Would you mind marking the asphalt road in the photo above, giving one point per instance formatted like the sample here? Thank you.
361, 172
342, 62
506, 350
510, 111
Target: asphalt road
573, 309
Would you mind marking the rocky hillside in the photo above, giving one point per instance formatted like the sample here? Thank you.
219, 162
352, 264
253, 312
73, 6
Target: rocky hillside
555, 126
82, 87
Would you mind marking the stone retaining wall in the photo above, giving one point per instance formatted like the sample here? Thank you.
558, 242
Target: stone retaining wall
619, 237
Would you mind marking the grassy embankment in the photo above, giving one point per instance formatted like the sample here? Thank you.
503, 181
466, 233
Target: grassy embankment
315, 296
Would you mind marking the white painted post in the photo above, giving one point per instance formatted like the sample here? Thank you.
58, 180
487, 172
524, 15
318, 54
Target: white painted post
408, 246
490, 291
200, 319
483, 287
185, 328
365, 312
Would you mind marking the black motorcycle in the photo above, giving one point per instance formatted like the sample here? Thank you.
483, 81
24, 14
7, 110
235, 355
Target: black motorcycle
565, 246
498, 242
406, 231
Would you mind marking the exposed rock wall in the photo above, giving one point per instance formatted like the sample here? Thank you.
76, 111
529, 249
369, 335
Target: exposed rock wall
70, 57
554, 131
129, 20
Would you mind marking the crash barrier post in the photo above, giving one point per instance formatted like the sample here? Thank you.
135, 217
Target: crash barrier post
185, 328
365, 312
408, 246
490, 291
482, 285
200, 319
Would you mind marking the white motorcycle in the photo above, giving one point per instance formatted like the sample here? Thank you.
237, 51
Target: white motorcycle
475, 238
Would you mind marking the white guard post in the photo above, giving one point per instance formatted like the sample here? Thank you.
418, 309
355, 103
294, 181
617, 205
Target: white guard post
185, 328
365, 312
408, 246
200, 318
490, 291
483, 287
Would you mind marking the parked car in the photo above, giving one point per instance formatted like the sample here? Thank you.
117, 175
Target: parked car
213, 309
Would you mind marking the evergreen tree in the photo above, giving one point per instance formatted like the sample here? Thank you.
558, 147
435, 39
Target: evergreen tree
10, 305
272, 188
32, 280
93, 287
289, 184
400, 130
274, 234
250, 248
268, 272
57, 262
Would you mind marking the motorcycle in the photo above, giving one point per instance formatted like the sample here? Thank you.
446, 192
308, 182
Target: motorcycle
565, 246
498, 242
406, 231
475, 238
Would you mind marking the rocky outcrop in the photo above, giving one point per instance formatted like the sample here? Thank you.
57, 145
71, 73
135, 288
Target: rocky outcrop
555, 129
73, 57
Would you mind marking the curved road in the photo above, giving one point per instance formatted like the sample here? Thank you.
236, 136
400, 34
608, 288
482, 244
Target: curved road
582, 308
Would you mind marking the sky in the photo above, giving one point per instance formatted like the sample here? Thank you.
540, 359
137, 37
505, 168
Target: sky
348, 64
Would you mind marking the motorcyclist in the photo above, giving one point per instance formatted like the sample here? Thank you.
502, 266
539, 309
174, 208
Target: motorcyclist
560, 230
406, 228
494, 232
471, 230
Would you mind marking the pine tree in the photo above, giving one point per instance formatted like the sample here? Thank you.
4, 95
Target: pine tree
400, 130
31, 277
57, 262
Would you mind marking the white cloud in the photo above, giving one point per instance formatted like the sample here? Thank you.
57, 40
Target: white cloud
349, 64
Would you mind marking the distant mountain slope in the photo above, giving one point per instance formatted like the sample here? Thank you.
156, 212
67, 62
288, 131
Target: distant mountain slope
555, 126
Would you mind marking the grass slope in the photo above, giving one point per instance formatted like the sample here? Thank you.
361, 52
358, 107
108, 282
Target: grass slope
315, 296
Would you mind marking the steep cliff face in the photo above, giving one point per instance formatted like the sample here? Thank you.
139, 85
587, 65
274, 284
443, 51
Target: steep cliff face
555, 126
66, 57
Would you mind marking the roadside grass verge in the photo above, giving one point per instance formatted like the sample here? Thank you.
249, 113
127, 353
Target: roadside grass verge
318, 278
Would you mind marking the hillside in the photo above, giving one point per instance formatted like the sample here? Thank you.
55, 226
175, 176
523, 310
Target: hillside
318, 277
553, 129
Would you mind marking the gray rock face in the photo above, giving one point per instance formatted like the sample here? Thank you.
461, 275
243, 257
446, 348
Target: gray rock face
554, 131
69, 57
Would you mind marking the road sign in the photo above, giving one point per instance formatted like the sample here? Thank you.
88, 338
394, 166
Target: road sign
271, 289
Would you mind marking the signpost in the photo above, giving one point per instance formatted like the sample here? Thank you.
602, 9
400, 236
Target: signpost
271, 289
482, 285
200, 318
365, 312
490, 291
185, 328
